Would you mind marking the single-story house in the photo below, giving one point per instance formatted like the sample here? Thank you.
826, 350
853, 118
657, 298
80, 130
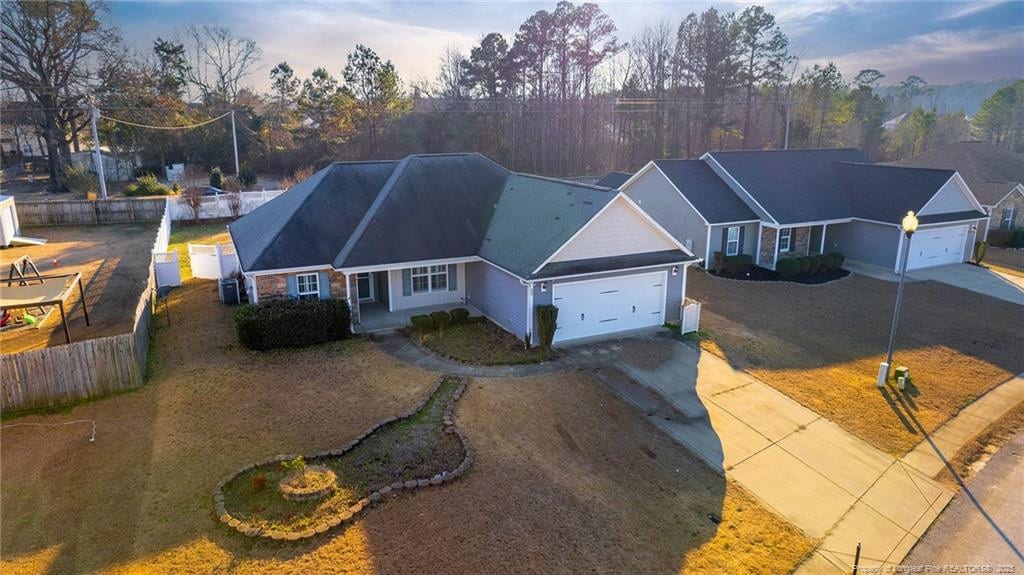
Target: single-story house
995, 176
774, 204
613, 180
399, 238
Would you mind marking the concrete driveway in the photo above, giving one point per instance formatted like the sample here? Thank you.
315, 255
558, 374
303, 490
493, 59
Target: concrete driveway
966, 276
827, 482
977, 279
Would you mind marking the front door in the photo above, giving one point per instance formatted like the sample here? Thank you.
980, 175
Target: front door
364, 283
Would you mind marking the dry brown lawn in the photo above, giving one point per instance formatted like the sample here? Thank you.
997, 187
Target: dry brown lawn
114, 262
1005, 260
567, 478
821, 345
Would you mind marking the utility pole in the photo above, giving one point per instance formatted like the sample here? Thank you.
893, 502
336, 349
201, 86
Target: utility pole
234, 140
785, 142
97, 155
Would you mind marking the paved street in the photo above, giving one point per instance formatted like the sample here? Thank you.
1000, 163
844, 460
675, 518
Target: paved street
963, 535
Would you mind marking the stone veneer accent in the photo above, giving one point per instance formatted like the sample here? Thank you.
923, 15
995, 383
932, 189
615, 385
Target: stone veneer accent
352, 513
767, 253
275, 286
799, 243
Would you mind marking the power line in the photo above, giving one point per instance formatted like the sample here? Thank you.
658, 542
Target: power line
189, 127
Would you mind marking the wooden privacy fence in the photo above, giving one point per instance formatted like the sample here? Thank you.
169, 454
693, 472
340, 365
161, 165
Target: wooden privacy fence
72, 212
79, 370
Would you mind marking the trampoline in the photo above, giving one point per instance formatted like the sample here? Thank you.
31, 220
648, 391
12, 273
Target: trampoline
41, 291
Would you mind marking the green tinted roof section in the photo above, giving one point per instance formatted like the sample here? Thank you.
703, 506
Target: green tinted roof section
534, 217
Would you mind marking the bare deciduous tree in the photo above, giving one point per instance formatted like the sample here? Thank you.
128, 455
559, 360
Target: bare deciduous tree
217, 61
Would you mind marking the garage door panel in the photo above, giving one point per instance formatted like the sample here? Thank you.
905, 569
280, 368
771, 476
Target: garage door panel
597, 307
937, 246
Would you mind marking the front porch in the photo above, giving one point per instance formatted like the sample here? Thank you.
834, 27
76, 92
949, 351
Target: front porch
376, 317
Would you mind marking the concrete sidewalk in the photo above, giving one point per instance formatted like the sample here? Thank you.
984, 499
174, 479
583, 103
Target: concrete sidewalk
827, 482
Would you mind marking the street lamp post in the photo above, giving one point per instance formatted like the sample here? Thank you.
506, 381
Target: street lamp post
909, 227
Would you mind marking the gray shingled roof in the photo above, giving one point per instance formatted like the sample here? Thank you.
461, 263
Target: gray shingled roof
534, 217
613, 180
886, 193
309, 224
990, 171
712, 197
423, 207
630, 261
793, 185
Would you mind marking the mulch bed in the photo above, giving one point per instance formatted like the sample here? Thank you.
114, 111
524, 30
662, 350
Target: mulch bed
759, 274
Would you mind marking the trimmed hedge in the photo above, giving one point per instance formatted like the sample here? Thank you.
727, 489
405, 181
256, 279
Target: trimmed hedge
441, 319
460, 315
738, 264
292, 323
788, 268
1017, 238
422, 323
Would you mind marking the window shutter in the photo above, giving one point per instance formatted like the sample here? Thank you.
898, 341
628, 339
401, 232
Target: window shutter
407, 282
739, 249
325, 285
453, 277
725, 240
292, 284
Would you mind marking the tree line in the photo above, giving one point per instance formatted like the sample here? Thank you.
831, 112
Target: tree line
565, 95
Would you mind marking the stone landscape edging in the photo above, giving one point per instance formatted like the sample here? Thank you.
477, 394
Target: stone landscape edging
352, 513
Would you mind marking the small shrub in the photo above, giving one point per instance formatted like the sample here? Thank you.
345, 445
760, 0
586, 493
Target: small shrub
422, 323
146, 185
1017, 238
837, 259
815, 264
296, 464
292, 323
527, 341
217, 178
788, 268
300, 175
719, 262
459, 315
176, 189
258, 482
81, 181
805, 265
547, 323
738, 264
247, 176
980, 248
999, 238
441, 319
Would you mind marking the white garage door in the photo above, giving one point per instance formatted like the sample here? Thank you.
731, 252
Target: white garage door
937, 246
597, 307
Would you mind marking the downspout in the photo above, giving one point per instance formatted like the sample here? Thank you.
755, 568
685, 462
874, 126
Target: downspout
529, 309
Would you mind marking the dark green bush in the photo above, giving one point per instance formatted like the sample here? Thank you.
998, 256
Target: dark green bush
292, 323
1017, 238
815, 264
738, 264
217, 178
827, 264
998, 238
459, 315
547, 323
146, 185
422, 323
153, 170
247, 176
441, 319
805, 265
837, 259
788, 268
980, 248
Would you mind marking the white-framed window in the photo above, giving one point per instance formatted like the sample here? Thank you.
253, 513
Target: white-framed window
732, 241
308, 286
1006, 222
785, 239
426, 279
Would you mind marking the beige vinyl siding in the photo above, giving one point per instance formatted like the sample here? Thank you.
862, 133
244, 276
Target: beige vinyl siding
658, 198
617, 231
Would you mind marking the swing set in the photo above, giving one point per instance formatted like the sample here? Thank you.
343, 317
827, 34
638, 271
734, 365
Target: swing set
27, 289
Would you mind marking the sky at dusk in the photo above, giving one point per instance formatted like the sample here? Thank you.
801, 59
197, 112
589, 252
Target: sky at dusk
944, 42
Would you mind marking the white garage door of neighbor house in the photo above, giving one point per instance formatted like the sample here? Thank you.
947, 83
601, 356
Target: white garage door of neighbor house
597, 307
936, 247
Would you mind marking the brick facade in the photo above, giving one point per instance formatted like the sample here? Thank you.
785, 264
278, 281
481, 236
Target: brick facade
275, 286
1014, 200
767, 254
799, 243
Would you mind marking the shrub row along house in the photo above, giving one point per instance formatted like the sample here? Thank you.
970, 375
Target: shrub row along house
401, 238
779, 204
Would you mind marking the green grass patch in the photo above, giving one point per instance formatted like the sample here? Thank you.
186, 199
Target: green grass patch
481, 343
414, 447
183, 234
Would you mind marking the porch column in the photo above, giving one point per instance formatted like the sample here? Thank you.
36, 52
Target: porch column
824, 228
775, 257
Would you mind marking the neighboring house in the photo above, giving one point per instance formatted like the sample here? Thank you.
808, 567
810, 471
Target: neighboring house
396, 238
994, 174
614, 180
777, 204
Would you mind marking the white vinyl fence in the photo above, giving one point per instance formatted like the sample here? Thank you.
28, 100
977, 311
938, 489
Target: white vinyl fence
691, 315
213, 262
165, 263
219, 206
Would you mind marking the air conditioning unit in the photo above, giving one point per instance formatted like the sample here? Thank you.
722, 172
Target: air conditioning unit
229, 291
